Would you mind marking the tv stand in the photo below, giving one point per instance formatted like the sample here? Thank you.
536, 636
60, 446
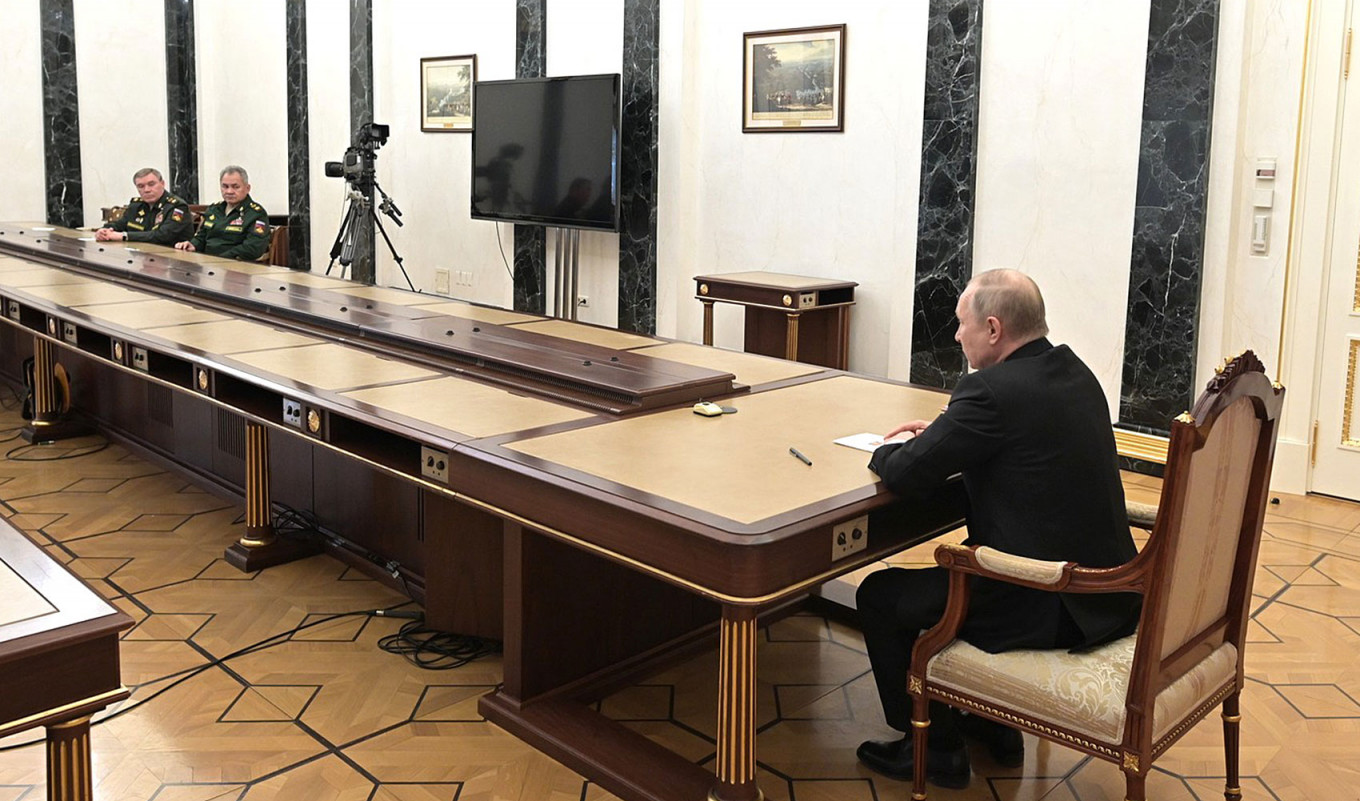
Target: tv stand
566, 263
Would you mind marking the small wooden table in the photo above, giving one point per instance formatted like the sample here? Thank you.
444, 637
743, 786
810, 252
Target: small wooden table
58, 659
796, 317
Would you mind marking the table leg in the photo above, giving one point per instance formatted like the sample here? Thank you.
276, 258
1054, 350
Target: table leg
68, 761
708, 321
844, 351
259, 548
47, 424
791, 337
736, 757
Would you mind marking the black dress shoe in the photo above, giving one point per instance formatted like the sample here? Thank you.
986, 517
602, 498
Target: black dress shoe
1005, 744
896, 759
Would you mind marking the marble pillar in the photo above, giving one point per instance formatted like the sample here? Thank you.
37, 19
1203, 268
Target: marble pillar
299, 153
361, 112
530, 244
61, 114
181, 100
1160, 331
638, 166
944, 243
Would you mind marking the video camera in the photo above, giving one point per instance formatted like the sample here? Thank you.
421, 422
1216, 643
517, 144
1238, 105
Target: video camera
357, 166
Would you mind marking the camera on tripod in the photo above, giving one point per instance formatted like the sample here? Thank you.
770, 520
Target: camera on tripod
357, 165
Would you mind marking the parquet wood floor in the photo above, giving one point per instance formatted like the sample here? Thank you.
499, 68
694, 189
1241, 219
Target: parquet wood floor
326, 716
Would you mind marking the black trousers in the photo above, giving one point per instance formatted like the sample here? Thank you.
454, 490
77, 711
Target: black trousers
896, 605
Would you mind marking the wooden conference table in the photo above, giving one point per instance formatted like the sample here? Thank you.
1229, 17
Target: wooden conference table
564, 466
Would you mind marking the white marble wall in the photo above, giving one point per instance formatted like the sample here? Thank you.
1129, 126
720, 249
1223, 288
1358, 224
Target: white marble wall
429, 174
21, 112
328, 126
585, 37
122, 124
1061, 106
242, 97
839, 205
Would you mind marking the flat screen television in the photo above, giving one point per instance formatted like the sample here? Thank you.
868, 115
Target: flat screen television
545, 151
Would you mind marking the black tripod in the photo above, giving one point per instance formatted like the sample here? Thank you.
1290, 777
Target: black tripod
355, 228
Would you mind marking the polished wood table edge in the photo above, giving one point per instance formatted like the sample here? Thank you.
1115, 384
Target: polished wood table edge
823, 283
68, 711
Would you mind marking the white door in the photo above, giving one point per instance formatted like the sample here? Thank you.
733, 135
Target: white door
1336, 470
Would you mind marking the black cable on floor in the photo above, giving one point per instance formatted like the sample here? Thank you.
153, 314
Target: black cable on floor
436, 650
17, 453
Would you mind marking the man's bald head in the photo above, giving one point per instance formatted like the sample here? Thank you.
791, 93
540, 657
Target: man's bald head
998, 312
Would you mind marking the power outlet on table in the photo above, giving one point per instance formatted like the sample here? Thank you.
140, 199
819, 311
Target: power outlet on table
434, 464
849, 537
292, 412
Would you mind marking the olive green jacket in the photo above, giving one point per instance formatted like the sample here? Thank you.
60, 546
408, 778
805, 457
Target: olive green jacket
164, 222
243, 234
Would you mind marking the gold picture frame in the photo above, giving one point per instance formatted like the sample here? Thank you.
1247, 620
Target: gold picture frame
446, 84
793, 80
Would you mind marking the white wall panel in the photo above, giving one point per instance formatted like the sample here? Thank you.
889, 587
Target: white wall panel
21, 113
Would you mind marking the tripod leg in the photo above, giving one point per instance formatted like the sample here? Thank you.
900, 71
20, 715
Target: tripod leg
345, 222
392, 248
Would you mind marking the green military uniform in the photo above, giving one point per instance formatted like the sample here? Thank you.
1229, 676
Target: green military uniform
164, 222
242, 234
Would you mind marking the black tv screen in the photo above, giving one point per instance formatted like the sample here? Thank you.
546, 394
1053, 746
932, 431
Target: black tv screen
545, 151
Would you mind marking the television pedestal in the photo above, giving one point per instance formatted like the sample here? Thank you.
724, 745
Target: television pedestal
791, 316
566, 262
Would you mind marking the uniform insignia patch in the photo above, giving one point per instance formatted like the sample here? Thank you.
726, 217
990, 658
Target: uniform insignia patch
177, 215
160, 216
259, 226
237, 221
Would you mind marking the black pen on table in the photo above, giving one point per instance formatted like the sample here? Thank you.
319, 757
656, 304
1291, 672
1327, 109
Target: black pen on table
800, 456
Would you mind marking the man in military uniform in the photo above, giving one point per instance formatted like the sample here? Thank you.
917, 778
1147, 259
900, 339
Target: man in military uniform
238, 227
155, 216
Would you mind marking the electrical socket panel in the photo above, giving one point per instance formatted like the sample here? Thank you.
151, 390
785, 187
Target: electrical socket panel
849, 537
292, 412
434, 464
140, 359
441, 282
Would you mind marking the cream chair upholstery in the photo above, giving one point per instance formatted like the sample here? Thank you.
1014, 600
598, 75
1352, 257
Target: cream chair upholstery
1129, 700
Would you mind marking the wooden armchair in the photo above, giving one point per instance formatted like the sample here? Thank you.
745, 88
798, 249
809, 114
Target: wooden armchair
1130, 700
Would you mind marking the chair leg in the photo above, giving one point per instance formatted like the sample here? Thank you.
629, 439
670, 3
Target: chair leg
1134, 785
920, 734
1232, 719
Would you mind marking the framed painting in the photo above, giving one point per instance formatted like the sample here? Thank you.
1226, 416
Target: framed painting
794, 80
446, 93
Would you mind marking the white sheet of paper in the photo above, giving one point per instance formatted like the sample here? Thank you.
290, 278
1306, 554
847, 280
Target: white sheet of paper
863, 442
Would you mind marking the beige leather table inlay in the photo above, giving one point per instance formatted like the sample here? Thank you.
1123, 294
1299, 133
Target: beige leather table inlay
738, 465
481, 314
234, 336
750, 369
580, 332
457, 404
392, 295
152, 313
21, 600
41, 276
86, 294
332, 367
780, 280
297, 278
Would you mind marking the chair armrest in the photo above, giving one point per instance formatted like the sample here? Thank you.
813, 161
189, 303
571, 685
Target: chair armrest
1043, 575
1142, 515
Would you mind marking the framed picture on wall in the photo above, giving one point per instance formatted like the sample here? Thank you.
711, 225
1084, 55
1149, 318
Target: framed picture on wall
794, 80
446, 93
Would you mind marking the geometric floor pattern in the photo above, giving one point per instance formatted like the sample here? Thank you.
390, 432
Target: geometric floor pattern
324, 715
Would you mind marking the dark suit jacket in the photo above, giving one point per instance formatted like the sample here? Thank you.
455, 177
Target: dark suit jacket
1032, 438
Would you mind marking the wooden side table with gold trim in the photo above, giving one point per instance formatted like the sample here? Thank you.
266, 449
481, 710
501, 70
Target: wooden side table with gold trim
58, 659
795, 317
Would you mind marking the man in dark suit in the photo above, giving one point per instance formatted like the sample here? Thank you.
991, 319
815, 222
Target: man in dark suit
1030, 433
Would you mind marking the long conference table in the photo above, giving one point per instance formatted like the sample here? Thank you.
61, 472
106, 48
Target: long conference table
563, 495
